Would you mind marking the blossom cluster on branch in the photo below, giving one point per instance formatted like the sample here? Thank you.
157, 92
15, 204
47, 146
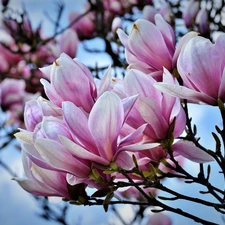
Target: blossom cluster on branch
121, 136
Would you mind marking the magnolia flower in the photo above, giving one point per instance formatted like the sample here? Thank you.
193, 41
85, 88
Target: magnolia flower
159, 111
12, 99
43, 182
202, 21
85, 26
203, 82
71, 81
60, 149
98, 136
149, 13
67, 43
153, 107
157, 49
190, 11
165, 11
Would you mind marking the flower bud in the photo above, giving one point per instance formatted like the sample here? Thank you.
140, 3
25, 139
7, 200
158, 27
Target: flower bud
202, 21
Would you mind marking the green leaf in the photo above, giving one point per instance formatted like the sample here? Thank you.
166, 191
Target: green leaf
95, 175
108, 171
75, 203
113, 166
107, 201
147, 173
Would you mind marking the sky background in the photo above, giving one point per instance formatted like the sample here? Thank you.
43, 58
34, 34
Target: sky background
20, 208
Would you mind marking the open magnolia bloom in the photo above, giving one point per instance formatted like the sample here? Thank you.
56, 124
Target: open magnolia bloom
160, 112
77, 131
65, 144
158, 46
201, 66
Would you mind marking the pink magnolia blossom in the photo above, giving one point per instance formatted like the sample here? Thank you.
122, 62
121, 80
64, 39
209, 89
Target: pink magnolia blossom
153, 107
157, 49
165, 11
190, 11
67, 43
12, 99
85, 26
159, 111
71, 81
61, 147
119, 7
43, 182
202, 21
203, 82
49, 158
98, 136
149, 13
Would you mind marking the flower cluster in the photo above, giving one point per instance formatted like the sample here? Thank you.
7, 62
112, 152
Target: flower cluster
88, 129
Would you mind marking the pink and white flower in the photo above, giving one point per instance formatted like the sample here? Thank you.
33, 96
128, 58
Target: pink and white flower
201, 66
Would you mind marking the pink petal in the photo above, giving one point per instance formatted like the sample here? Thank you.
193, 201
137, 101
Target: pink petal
46, 71
154, 52
133, 137
51, 92
78, 127
48, 108
124, 160
185, 93
123, 37
188, 150
52, 127
58, 157
159, 219
68, 42
221, 93
167, 32
199, 65
137, 82
138, 147
128, 104
105, 84
151, 113
82, 153
182, 42
32, 115
55, 180
36, 188
71, 76
105, 122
